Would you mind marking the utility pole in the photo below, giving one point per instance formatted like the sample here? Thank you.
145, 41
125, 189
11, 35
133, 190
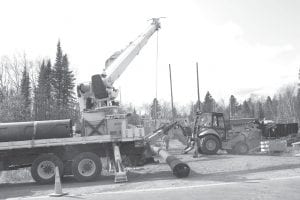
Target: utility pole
196, 153
171, 93
156, 80
198, 90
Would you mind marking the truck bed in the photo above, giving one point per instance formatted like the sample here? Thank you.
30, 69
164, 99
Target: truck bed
64, 141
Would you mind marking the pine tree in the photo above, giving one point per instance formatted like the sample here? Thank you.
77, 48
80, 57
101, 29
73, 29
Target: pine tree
246, 111
57, 78
298, 98
251, 106
260, 111
25, 93
158, 109
208, 104
48, 90
68, 83
38, 95
25, 87
233, 105
268, 109
43, 97
63, 86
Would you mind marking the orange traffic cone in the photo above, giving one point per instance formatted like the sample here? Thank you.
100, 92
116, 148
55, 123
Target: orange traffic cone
57, 186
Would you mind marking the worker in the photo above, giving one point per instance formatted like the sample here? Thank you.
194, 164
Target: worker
166, 141
166, 138
187, 128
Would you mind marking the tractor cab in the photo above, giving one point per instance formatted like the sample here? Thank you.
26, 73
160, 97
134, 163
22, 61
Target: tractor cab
212, 120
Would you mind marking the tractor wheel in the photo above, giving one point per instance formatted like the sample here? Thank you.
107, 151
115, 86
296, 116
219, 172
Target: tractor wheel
241, 148
43, 168
209, 145
86, 166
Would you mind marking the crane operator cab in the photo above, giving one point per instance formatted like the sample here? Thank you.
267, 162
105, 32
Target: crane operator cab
96, 94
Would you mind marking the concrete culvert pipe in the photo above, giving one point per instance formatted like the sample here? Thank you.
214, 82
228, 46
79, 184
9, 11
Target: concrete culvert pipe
179, 168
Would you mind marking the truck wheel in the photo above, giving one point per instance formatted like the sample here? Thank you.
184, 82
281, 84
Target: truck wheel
86, 166
209, 144
43, 168
241, 148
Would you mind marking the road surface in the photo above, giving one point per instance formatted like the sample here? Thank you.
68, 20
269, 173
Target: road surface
220, 176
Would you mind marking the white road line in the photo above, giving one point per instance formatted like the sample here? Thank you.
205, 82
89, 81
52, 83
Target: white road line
161, 189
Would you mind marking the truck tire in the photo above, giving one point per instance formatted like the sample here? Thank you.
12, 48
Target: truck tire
241, 148
43, 168
209, 144
86, 166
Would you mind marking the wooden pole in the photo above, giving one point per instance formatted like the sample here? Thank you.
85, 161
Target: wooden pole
196, 153
198, 90
156, 80
171, 93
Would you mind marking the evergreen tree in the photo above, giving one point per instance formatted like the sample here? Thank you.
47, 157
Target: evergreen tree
63, 86
25, 93
233, 105
251, 106
275, 107
246, 111
43, 98
25, 87
68, 83
298, 99
260, 111
158, 109
57, 78
208, 104
268, 109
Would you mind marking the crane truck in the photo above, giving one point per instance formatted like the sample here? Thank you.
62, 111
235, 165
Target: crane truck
103, 132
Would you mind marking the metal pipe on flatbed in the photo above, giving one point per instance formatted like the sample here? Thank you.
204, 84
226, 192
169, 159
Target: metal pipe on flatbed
34, 130
179, 168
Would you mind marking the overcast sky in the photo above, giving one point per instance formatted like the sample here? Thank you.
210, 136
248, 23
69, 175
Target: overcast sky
242, 46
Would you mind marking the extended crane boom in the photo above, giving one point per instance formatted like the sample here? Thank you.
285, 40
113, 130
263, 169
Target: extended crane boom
118, 66
101, 91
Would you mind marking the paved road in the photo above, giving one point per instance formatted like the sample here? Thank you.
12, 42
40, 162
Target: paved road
276, 188
212, 177
287, 188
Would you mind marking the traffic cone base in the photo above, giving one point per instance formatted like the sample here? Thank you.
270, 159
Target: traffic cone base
57, 185
58, 195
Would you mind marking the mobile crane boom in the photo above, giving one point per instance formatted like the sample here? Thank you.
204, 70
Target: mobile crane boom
118, 66
101, 88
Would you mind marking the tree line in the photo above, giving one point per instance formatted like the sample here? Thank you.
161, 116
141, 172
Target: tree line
37, 91
45, 91
283, 107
